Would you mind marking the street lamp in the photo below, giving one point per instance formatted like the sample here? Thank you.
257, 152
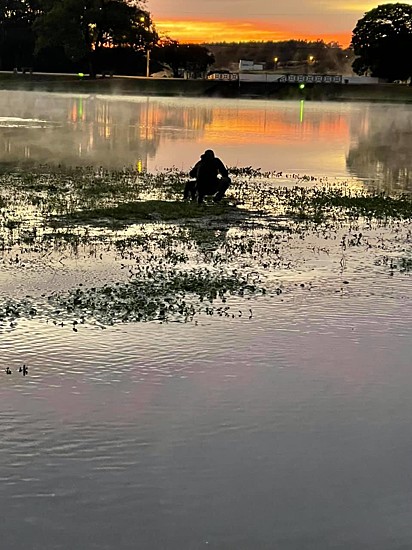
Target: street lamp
310, 61
142, 20
275, 62
147, 63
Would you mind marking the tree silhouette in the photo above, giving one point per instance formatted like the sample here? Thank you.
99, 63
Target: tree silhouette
189, 57
16, 35
382, 42
86, 27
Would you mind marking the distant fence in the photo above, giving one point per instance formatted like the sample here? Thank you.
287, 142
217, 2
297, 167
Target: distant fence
311, 78
273, 77
292, 78
223, 76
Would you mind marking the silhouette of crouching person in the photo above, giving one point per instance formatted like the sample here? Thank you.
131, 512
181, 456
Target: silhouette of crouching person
205, 179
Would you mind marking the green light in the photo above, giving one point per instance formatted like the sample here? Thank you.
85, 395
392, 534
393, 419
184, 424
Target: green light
302, 107
81, 75
301, 86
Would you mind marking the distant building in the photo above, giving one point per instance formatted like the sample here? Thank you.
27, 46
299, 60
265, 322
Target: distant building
245, 65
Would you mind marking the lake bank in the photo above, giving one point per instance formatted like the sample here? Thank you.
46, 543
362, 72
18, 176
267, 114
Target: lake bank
204, 88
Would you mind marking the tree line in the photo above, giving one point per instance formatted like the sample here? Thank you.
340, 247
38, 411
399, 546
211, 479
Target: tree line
317, 56
101, 36
93, 36
381, 46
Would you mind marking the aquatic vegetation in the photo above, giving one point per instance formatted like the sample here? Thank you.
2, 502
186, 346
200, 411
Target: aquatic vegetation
162, 259
160, 294
405, 265
87, 193
150, 210
318, 204
402, 264
152, 294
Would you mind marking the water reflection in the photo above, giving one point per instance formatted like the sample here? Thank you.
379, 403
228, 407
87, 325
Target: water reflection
304, 418
368, 142
381, 147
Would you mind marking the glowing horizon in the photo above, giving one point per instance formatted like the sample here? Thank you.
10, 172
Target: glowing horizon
198, 32
243, 21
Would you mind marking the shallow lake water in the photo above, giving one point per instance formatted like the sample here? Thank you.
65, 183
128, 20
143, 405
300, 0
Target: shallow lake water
264, 420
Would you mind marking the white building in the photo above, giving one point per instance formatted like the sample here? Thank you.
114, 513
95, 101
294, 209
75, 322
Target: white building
245, 65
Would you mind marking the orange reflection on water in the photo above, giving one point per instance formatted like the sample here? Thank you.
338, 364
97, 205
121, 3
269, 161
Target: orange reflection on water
73, 112
78, 111
240, 126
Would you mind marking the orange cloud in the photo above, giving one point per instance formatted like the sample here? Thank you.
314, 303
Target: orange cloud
192, 31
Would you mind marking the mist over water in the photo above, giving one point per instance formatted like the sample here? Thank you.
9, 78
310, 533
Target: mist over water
368, 142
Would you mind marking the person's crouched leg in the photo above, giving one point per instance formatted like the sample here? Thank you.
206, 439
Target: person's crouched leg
222, 187
202, 191
190, 190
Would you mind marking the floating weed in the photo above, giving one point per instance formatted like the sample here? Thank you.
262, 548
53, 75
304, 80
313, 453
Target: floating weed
405, 265
12, 224
402, 264
159, 294
319, 204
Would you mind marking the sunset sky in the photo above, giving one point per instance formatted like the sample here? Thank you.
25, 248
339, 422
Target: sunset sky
243, 20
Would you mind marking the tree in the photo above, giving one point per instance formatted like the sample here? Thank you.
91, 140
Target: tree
187, 57
382, 42
16, 36
85, 28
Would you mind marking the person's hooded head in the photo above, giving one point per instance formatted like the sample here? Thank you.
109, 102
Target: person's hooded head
208, 155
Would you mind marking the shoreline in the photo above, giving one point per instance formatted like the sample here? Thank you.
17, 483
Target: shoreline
176, 87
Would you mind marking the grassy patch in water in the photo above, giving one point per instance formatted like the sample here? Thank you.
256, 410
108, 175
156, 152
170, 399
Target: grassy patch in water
151, 210
89, 194
180, 259
369, 205
157, 294
318, 204
402, 264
